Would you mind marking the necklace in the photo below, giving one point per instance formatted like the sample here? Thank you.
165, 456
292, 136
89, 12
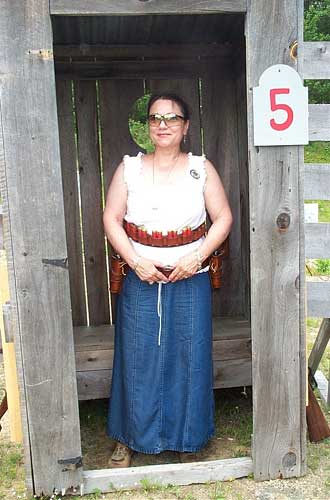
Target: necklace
155, 203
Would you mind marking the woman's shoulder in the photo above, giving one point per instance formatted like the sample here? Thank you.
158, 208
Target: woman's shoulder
132, 166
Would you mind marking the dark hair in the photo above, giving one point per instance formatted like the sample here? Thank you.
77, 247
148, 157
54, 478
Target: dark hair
169, 96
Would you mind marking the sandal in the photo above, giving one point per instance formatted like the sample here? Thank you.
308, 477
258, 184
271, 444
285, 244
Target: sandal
121, 456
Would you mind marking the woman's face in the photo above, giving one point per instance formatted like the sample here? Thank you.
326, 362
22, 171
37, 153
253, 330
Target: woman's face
167, 135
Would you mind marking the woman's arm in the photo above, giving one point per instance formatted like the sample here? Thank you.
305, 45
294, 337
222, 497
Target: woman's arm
114, 212
217, 206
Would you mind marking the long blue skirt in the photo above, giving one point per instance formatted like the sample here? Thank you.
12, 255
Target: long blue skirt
162, 382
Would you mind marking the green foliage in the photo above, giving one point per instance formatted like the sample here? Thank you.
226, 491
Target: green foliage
317, 28
138, 124
323, 266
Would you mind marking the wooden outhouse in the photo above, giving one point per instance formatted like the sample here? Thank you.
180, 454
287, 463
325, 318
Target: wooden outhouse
70, 72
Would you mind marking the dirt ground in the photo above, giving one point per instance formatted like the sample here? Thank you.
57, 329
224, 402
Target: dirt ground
314, 486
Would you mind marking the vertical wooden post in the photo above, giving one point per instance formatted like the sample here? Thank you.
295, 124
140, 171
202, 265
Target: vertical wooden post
36, 246
277, 298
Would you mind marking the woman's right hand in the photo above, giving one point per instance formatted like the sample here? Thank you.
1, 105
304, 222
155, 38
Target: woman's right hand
146, 270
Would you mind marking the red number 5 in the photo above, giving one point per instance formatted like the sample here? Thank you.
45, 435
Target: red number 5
275, 106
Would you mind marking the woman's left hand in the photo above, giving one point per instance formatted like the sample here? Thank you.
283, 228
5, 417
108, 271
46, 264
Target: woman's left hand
185, 267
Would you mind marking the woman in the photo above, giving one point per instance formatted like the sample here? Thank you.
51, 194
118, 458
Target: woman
162, 384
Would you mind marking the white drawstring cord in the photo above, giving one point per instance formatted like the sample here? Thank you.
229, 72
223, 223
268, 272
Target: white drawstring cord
159, 310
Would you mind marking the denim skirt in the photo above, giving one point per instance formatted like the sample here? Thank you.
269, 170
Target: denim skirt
162, 382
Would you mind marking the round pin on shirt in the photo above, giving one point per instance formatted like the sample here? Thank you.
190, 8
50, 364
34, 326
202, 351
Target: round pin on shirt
194, 174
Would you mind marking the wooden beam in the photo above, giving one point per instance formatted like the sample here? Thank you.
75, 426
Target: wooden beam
171, 69
319, 122
320, 345
161, 51
317, 240
108, 480
318, 299
136, 7
317, 181
316, 60
36, 244
275, 180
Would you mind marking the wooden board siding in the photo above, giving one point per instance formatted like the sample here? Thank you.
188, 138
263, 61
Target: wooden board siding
67, 131
316, 60
94, 356
91, 202
317, 241
219, 122
126, 7
317, 181
319, 122
36, 244
276, 298
318, 298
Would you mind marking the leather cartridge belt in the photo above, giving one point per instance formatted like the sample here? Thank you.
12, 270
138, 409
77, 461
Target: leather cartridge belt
158, 239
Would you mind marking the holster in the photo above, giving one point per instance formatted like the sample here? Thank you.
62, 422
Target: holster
215, 266
118, 270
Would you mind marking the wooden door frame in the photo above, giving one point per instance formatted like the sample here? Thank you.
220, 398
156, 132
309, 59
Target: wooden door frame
268, 461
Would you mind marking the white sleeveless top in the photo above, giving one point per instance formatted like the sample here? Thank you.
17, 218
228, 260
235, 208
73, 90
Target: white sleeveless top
171, 207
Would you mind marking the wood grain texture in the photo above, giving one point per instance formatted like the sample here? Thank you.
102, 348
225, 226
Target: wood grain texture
316, 60
320, 345
318, 299
179, 474
1, 227
319, 122
317, 181
220, 126
71, 200
91, 202
35, 212
276, 298
95, 384
180, 68
188, 89
131, 7
317, 240
323, 386
243, 183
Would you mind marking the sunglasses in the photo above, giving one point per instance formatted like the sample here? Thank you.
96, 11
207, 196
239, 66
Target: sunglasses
170, 119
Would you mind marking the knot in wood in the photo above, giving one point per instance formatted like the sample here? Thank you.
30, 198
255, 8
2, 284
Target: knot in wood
283, 221
289, 460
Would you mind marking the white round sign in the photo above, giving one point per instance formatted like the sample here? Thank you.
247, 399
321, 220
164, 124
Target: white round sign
280, 108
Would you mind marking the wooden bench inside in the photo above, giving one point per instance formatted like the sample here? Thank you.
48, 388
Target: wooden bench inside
94, 356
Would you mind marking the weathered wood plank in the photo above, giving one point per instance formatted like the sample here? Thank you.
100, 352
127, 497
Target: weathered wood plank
243, 183
318, 299
219, 123
36, 241
101, 337
275, 188
95, 384
179, 474
316, 60
102, 359
1, 228
320, 345
71, 200
180, 68
319, 122
323, 386
188, 89
317, 240
116, 101
174, 51
134, 7
317, 181
91, 202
